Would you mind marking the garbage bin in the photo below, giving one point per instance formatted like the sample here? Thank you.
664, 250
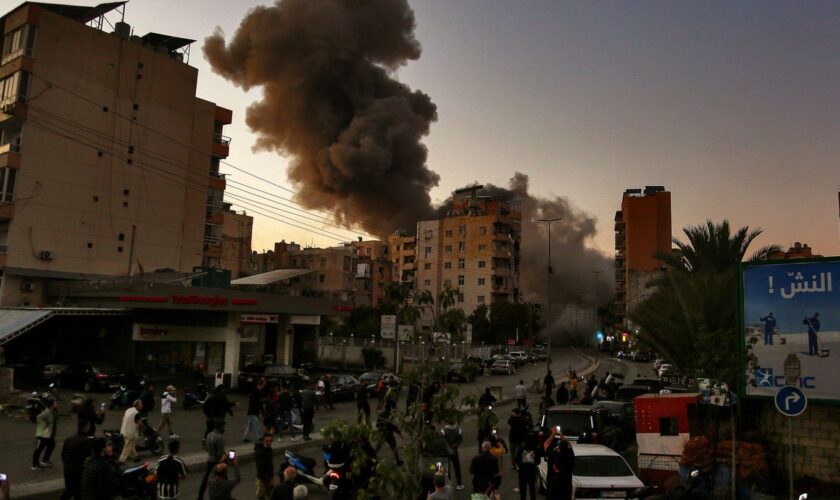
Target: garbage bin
222, 379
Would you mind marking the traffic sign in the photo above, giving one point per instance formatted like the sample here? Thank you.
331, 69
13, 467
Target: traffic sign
791, 401
388, 326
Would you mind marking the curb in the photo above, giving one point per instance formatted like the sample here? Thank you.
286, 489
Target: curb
195, 462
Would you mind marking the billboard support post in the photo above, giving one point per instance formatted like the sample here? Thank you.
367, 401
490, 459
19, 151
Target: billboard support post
790, 456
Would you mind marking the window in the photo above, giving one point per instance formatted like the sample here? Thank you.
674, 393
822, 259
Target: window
481, 281
214, 166
460, 280
18, 43
480, 299
323, 262
462, 246
427, 251
447, 283
320, 278
482, 230
427, 266
448, 232
427, 282
482, 248
462, 230
461, 263
14, 87
212, 234
460, 297
215, 197
447, 249
482, 264
8, 176
447, 265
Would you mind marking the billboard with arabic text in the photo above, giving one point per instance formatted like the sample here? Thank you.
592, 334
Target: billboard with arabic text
791, 319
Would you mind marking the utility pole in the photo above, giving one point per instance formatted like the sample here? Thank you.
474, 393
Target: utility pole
548, 279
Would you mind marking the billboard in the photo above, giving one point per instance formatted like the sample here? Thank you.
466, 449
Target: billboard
791, 318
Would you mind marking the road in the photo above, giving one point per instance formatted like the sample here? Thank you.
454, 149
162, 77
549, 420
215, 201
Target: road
18, 436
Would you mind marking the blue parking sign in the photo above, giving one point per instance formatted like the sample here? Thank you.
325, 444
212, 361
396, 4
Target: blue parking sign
791, 401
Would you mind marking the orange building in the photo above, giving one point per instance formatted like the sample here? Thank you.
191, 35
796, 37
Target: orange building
642, 231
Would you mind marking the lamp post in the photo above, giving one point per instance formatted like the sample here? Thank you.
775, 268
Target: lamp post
597, 274
548, 281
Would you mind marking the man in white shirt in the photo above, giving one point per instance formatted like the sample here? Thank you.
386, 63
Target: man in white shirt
520, 393
129, 431
166, 401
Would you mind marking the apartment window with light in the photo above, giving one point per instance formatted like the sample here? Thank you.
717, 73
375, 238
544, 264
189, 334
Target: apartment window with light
8, 176
482, 230
480, 299
447, 249
447, 265
460, 280
461, 264
482, 264
481, 281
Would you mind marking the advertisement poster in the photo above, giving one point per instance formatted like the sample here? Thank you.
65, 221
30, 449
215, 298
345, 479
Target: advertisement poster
791, 313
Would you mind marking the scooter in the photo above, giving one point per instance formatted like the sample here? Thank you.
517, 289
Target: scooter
123, 397
149, 440
335, 479
137, 482
37, 402
196, 397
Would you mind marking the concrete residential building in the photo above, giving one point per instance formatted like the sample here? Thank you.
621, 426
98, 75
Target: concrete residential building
403, 256
475, 249
373, 271
109, 165
335, 268
642, 231
236, 242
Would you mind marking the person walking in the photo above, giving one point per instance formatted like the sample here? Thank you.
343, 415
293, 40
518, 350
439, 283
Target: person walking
362, 404
264, 460
769, 327
386, 429
45, 435
483, 468
548, 384
527, 459
520, 393
99, 474
328, 397
320, 389
74, 451
573, 387
220, 487
269, 411
454, 437
307, 411
518, 431
130, 431
813, 328
171, 470
285, 405
90, 413
214, 443
562, 394
215, 408
166, 400
253, 414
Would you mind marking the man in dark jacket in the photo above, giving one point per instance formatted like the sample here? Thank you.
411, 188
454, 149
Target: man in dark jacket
264, 460
254, 403
362, 405
548, 383
413, 394
285, 404
285, 490
75, 450
99, 475
215, 446
215, 408
307, 411
148, 399
486, 400
387, 428
527, 459
88, 412
518, 431
484, 467
562, 394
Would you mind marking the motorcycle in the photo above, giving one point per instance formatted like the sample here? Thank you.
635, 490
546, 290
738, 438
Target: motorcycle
38, 402
149, 439
137, 482
197, 397
124, 397
336, 479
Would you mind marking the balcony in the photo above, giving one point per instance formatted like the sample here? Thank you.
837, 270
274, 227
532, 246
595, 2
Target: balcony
619, 263
619, 274
221, 146
502, 272
13, 110
7, 211
10, 155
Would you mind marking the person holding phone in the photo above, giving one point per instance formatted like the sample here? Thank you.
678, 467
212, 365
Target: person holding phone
216, 454
45, 435
561, 461
221, 486
264, 460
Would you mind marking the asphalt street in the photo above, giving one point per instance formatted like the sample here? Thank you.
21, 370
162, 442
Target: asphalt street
17, 438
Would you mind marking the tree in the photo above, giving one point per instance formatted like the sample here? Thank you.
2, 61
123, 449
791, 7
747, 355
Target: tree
480, 321
506, 318
691, 317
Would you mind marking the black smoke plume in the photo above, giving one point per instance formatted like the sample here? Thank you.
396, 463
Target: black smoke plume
582, 279
331, 102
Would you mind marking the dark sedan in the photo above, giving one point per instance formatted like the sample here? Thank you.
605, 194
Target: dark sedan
275, 375
372, 378
455, 373
344, 386
89, 377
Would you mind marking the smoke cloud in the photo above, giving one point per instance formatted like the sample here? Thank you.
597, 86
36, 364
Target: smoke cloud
577, 288
331, 102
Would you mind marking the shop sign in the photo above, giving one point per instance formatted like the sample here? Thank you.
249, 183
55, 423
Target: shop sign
259, 318
304, 320
152, 332
208, 300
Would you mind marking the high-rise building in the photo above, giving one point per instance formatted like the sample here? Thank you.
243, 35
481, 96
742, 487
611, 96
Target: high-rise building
373, 272
642, 231
474, 249
402, 250
236, 242
108, 160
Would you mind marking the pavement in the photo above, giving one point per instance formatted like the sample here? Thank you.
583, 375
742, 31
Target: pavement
18, 436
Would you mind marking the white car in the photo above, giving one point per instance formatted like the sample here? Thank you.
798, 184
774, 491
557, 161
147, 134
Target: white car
599, 473
663, 368
520, 357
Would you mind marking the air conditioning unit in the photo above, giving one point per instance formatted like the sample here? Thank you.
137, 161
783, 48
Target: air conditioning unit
27, 286
46, 255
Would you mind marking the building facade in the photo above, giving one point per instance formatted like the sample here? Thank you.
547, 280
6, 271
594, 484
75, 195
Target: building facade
373, 272
236, 242
402, 250
642, 231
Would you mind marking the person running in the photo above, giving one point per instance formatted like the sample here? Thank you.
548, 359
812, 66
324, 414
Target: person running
45, 435
166, 401
171, 470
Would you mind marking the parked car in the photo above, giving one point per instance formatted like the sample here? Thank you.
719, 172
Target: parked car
372, 378
455, 373
653, 383
343, 386
630, 392
275, 375
657, 363
520, 357
90, 377
50, 373
540, 354
503, 366
599, 473
665, 368
579, 423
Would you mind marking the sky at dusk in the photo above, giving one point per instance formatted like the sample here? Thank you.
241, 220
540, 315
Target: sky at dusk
732, 106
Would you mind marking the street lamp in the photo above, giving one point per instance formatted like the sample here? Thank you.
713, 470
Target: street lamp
548, 280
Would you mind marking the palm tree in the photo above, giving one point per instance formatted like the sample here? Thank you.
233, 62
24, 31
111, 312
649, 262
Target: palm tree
713, 247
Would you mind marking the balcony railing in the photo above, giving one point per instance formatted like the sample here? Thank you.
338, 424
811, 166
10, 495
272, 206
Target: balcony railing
221, 139
9, 148
23, 51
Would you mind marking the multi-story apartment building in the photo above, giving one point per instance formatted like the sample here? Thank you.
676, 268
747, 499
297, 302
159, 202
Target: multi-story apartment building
335, 268
373, 271
475, 249
108, 160
642, 231
236, 242
797, 251
402, 250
